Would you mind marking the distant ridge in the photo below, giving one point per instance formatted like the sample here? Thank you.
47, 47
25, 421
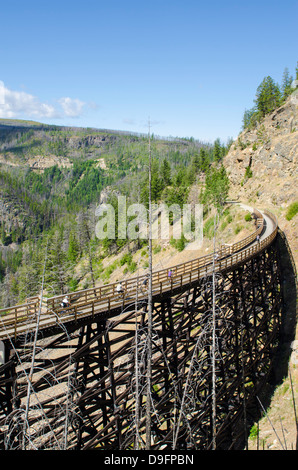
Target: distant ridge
36, 124
20, 123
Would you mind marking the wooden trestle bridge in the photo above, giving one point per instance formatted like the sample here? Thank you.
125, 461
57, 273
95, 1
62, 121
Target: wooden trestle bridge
85, 365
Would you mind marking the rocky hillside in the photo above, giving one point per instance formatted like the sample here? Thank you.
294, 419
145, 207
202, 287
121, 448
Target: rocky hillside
263, 168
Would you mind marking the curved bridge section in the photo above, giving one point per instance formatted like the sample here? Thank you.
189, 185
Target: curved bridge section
21, 319
76, 377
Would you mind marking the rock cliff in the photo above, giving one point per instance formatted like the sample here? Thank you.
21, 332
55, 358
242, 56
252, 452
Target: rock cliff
271, 152
262, 165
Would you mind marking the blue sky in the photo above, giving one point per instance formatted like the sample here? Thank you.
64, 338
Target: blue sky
192, 67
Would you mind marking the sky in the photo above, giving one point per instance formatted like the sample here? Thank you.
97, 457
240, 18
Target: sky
189, 67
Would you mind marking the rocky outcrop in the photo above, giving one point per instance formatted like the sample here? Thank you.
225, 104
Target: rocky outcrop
263, 162
40, 162
96, 140
262, 165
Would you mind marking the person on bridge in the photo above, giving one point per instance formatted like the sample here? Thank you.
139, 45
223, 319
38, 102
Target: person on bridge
145, 282
65, 302
120, 289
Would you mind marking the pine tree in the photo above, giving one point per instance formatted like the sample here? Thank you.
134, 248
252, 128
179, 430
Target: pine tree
216, 187
204, 161
73, 248
217, 155
249, 117
286, 88
156, 182
166, 172
196, 163
268, 96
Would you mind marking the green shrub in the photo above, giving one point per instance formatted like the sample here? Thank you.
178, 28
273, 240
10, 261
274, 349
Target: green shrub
73, 284
248, 172
179, 243
254, 432
132, 266
127, 258
292, 210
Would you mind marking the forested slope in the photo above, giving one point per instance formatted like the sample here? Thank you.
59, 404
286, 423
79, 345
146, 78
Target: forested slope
51, 180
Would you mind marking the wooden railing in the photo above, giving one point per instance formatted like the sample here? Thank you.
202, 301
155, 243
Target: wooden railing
92, 301
12, 317
199, 264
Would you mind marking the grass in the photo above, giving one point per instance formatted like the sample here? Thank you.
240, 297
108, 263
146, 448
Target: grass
237, 229
208, 229
109, 270
292, 210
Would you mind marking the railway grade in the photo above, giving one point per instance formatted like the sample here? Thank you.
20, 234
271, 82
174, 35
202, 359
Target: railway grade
88, 379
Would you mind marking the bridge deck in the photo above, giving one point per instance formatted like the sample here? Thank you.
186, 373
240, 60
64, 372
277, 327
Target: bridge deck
104, 300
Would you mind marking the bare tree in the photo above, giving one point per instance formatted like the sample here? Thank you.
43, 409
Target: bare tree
149, 340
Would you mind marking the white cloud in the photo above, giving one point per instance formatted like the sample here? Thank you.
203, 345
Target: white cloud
71, 107
19, 104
